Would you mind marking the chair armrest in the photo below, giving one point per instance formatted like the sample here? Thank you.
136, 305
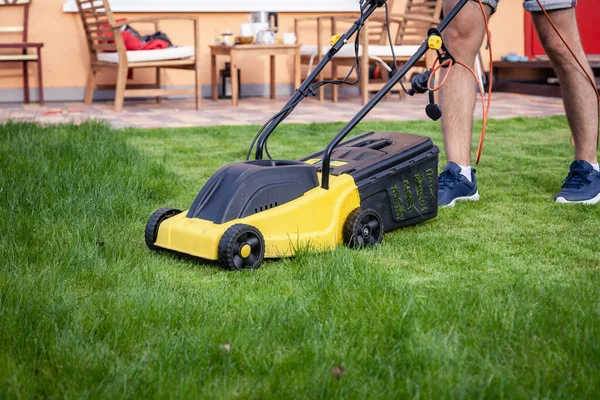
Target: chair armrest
20, 45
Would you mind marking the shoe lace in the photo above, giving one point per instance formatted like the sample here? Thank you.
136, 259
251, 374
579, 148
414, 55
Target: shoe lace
447, 179
576, 179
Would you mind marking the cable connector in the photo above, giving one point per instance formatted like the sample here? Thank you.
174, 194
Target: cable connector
419, 83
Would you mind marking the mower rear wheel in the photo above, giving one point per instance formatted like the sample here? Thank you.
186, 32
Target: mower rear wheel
363, 228
154, 222
241, 247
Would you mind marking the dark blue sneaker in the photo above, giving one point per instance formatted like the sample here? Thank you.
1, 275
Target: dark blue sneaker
581, 186
453, 187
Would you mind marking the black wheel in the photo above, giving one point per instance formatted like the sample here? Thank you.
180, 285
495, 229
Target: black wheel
154, 222
241, 247
363, 228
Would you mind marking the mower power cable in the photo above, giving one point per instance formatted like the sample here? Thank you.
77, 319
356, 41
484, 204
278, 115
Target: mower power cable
312, 89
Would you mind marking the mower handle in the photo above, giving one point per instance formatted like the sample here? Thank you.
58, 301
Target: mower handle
302, 91
326, 162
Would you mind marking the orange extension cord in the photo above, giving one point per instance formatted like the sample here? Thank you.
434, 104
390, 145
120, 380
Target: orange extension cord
486, 108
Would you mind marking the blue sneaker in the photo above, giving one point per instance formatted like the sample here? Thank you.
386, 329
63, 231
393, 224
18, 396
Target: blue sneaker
453, 187
581, 186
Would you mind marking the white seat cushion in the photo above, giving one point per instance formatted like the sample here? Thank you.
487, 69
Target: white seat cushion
171, 53
346, 51
386, 51
374, 51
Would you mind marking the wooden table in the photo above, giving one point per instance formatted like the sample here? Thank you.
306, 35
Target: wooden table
236, 52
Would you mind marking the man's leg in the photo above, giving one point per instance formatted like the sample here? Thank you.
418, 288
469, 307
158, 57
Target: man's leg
583, 182
463, 39
578, 95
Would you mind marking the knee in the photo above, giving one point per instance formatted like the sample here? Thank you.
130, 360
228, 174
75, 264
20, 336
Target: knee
462, 41
557, 52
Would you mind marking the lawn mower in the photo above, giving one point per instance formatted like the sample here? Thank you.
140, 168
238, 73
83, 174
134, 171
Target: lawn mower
350, 193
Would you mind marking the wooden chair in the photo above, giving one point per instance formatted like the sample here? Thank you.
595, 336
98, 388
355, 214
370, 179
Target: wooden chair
23, 56
408, 32
107, 51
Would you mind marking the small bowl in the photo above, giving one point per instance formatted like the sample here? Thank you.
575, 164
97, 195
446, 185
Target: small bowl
245, 39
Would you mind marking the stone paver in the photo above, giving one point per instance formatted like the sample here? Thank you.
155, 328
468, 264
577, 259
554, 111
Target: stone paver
181, 112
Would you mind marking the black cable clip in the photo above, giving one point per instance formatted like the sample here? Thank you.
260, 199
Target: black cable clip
309, 91
445, 56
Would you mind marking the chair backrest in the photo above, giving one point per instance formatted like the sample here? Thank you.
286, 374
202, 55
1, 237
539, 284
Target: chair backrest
378, 32
21, 28
98, 20
412, 31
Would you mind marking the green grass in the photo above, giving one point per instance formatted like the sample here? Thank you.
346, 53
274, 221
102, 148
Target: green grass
494, 299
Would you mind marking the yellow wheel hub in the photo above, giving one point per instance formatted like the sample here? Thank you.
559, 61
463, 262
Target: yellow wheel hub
245, 251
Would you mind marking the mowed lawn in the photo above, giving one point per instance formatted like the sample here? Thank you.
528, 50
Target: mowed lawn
494, 299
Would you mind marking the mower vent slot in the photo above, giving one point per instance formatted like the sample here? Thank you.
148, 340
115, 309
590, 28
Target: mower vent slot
266, 207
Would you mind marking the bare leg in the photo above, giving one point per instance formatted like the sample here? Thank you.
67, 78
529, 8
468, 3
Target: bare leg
578, 95
463, 39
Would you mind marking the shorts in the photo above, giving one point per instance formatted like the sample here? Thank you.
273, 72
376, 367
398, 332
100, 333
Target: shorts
532, 5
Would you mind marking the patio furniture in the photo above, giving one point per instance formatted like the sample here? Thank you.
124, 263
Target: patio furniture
23, 56
408, 32
535, 77
107, 51
235, 53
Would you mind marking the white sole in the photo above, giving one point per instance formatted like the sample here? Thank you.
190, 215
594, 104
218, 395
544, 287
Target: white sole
474, 197
595, 200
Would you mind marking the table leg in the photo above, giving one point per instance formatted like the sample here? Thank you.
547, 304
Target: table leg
213, 76
234, 79
272, 77
297, 69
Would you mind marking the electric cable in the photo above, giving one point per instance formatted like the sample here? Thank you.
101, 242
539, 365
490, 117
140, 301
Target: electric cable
389, 34
590, 79
314, 87
487, 107
356, 66
486, 113
449, 64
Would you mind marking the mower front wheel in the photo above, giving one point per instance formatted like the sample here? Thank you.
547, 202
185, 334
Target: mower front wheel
363, 228
241, 247
154, 222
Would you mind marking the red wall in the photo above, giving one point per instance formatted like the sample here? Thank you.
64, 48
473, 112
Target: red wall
588, 17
